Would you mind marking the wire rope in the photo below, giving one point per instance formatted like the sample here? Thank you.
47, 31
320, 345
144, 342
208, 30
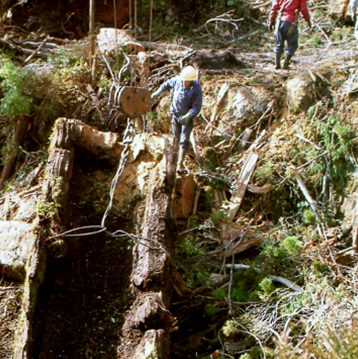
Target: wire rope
96, 229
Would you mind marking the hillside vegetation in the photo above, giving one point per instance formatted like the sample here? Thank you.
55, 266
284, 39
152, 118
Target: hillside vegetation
265, 263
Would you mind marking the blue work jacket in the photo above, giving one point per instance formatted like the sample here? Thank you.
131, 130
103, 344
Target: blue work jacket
184, 99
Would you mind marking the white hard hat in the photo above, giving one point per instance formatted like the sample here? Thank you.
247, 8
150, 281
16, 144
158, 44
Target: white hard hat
188, 73
141, 56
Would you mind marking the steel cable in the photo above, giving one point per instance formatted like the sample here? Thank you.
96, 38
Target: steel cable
127, 140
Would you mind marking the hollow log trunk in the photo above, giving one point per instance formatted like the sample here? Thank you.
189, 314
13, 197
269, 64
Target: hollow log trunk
147, 324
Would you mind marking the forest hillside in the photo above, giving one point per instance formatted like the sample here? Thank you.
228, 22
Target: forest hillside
107, 252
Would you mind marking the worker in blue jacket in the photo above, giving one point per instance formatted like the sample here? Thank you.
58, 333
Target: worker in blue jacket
186, 104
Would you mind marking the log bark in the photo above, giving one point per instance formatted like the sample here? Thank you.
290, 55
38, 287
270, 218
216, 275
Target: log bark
68, 135
152, 278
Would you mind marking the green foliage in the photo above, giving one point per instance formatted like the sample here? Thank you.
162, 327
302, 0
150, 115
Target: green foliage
154, 118
197, 277
220, 294
318, 268
210, 162
189, 246
267, 286
71, 68
245, 356
64, 58
341, 34
265, 173
291, 245
7, 145
210, 310
280, 255
335, 138
275, 252
240, 292
314, 41
230, 328
309, 216
47, 209
218, 215
14, 101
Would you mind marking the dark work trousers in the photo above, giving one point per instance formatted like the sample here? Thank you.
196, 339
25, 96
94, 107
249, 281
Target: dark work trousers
282, 36
182, 132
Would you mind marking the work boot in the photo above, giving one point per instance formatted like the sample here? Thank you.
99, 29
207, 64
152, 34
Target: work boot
278, 61
180, 166
287, 62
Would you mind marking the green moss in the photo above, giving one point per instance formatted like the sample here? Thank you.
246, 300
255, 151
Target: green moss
239, 292
210, 310
210, 155
230, 328
267, 286
220, 293
292, 245
265, 173
47, 209
58, 190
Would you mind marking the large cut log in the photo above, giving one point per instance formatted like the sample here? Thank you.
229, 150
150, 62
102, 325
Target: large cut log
146, 329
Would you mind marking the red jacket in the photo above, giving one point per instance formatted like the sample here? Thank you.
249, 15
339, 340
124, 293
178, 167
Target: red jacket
288, 8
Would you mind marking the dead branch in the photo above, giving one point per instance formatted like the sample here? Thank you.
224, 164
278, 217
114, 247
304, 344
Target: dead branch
241, 185
306, 193
36, 51
221, 95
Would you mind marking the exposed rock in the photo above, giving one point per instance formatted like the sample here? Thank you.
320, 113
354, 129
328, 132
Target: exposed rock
242, 106
110, 40
26, 210
16, 242
299, 91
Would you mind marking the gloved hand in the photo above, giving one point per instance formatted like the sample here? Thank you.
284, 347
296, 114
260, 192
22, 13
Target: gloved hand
155, 94
271, 26
183, 120
309, 24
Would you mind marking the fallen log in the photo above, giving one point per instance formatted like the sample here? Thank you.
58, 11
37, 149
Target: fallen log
152, 278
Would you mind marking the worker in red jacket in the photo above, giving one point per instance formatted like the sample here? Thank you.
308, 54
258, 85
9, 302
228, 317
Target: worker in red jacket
287, 28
